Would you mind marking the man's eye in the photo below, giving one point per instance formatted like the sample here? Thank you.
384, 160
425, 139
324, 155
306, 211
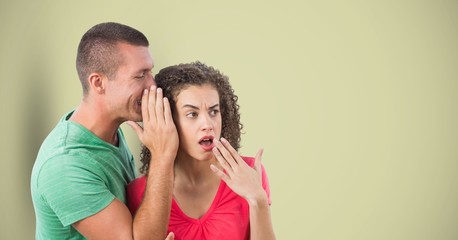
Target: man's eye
143, 75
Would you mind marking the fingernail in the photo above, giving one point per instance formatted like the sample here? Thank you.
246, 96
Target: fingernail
145, 91
213, 168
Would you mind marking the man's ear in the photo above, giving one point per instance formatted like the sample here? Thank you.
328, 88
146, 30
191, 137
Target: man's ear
97, 83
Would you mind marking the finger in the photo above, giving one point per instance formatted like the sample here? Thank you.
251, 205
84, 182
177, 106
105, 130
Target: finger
145, 114
220, 173
257, 162
226, 166
235, 155
152, 104
137, 128
170, 236
225, 153
167, 112
159, 106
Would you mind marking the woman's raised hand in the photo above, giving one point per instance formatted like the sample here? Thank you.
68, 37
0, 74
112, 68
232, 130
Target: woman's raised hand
237, 174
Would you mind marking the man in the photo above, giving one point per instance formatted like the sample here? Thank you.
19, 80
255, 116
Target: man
79, 177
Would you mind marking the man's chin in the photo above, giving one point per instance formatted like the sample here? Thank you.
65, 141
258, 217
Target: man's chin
137, 118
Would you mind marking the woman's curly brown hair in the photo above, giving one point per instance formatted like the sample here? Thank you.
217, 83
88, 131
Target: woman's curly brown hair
176, 78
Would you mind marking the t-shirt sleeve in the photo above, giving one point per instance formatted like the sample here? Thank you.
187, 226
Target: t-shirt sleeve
73, 187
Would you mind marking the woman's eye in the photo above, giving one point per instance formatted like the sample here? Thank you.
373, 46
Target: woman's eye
214, 112
191, 115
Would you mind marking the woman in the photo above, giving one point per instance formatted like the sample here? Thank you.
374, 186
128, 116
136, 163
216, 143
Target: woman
217, 194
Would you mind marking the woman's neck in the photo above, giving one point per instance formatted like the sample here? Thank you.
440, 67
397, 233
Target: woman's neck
194, 171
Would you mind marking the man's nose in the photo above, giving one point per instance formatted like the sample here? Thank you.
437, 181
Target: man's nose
150, 80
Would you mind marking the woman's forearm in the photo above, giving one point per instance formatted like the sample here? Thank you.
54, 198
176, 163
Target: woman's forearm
260, 220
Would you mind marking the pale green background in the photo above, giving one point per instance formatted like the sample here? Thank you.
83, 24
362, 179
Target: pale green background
355, 102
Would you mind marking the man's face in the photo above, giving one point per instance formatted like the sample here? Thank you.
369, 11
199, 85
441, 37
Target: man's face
124, 91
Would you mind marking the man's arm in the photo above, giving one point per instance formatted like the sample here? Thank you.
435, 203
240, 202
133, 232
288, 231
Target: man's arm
113, 222
156, 204
151, 220
104, 224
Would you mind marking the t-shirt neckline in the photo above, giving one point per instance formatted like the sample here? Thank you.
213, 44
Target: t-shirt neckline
209, 211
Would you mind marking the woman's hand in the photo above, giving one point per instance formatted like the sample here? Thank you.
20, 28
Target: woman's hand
247, 183
238, 175
171, 236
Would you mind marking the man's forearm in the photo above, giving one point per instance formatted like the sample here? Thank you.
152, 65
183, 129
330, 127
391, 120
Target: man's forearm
152, 217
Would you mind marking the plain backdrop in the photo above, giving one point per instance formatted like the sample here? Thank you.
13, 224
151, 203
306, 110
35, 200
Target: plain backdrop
355, 102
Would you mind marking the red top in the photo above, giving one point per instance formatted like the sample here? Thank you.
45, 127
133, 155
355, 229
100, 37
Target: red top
227, 218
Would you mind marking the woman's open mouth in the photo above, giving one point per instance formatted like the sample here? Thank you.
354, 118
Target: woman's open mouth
206, 143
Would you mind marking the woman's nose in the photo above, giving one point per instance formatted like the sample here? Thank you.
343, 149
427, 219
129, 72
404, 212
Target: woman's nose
207, 123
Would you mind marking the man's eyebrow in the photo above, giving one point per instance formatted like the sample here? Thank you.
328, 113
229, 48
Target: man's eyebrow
143, 70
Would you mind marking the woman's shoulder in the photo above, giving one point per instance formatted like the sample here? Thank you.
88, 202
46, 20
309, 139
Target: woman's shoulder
139, 182
135, 191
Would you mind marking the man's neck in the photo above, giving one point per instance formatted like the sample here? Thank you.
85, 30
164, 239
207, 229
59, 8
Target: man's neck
97, 121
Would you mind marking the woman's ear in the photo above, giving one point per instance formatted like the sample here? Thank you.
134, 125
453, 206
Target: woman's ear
97, 83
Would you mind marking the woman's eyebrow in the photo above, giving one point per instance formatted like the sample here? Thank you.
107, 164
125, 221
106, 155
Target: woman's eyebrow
190, 106
194, 107
214, 106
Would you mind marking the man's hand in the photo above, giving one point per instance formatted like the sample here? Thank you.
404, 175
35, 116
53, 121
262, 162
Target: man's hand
160, 136
158, 133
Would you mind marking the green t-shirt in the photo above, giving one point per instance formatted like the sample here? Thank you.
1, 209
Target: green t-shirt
76, 175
